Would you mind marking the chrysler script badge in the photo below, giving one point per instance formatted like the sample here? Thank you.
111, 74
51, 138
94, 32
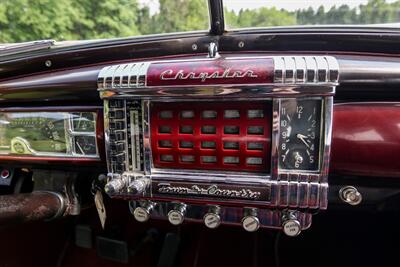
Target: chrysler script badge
211, 190
203, 76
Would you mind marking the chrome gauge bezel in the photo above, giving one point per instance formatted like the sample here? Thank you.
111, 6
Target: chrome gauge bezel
69, 133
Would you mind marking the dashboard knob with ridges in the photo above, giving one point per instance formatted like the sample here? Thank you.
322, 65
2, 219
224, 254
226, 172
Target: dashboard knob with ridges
138, 186
115, 185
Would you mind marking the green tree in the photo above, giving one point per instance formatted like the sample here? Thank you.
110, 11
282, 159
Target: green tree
181, 15
105, 19
261, 17
25, 20
376, 11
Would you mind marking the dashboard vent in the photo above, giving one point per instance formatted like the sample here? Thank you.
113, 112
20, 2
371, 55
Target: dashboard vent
228, 136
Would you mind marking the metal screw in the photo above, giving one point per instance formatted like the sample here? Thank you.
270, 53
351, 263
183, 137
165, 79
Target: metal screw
194, 47
48, 63
241, 44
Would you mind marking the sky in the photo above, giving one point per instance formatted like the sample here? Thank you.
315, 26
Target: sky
290, 5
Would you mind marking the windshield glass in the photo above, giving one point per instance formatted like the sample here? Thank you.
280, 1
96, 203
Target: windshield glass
29, 20
266, 13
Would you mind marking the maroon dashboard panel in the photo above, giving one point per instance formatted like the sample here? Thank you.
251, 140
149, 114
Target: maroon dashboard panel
211, 71
366, 139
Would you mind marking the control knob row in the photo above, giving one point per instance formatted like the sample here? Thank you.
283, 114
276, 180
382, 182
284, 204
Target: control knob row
212, 219
121, 183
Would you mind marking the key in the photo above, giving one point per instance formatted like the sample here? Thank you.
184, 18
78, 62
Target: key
101, 209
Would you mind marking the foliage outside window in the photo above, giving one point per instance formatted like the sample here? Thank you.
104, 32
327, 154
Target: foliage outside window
28, 20
371, 12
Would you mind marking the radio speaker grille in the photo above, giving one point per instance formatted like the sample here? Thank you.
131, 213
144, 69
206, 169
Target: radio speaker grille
228, 136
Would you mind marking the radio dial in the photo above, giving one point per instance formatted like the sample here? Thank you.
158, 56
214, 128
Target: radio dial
138, 186
116, 185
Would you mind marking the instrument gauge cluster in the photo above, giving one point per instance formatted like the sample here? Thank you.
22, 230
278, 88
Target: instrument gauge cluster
48, 134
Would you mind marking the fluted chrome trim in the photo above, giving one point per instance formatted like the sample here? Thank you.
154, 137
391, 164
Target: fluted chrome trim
299, 70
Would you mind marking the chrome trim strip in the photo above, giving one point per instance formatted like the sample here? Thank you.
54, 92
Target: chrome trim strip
319, 73
147, 157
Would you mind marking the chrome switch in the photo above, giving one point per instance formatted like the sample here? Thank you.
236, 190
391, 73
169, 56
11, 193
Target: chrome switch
290, 225
177, 215
142, 213
250, 221
212, 218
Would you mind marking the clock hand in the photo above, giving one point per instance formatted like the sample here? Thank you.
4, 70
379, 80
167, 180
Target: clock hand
301, 137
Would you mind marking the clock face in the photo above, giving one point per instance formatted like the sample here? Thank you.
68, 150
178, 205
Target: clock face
300, 134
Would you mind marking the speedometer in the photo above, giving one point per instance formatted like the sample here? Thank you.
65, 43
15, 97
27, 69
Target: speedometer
300, 134
48, 134
31, 133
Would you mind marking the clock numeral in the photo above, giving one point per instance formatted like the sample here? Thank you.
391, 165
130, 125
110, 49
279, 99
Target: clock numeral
313, 123
299, 111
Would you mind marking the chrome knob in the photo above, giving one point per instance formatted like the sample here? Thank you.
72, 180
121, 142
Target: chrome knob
350, 194
290, 225
177, 215
142, 213
250, 222
138, 186
116, 185
212, 218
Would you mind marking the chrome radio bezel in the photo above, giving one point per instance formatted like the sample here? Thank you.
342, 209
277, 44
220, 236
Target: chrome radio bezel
294, 77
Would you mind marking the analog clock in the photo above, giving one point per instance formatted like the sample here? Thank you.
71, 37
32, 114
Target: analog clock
300, 134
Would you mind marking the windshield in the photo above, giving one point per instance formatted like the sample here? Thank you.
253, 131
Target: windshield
267, 13
29, 20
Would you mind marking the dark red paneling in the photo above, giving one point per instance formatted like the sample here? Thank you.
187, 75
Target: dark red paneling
366, 139
219, 137
212, 71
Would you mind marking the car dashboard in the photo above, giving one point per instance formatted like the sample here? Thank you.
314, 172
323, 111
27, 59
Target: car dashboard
257, 131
